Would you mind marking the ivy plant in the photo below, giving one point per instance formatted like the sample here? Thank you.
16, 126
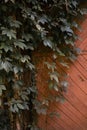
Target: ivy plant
26, 25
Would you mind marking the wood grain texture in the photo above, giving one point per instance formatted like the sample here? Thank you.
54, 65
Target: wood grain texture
74, 111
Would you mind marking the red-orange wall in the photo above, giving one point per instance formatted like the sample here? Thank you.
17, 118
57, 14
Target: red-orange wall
73, 113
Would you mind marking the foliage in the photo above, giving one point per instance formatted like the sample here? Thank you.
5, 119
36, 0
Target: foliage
24, 26
4, 120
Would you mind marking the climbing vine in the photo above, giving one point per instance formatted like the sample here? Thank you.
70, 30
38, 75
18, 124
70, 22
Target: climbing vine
27, 26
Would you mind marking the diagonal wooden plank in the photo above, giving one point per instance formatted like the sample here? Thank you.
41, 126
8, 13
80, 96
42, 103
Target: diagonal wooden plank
79, 79
77, 92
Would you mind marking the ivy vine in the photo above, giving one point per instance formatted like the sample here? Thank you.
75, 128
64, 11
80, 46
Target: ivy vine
25, 26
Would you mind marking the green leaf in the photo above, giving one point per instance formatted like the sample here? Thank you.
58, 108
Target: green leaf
16, 108
9, 33
66, 29
24, 97
12, 109
20, 106
48, 43
43, 20
51, 85
54, 114
2, 87
20, 43
0, 92
74, 3
13, 1
7, 66
6, 47
25, 26
56, 88
62, 99
31, 66
64, 64
42, 111
24, 59
51, 66
64, 83
16, 69
27, 37
54, 76
60, 52
14, 23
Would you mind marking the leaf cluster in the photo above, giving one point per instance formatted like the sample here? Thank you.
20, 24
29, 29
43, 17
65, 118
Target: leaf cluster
25, 25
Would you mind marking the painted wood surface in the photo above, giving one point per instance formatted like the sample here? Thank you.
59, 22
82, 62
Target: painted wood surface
74, 111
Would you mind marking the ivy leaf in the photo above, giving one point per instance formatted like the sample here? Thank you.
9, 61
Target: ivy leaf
78, 50
27, 37
14, 23
7, 66
51, 66
16, 108
51, 85
20, 43
48, 43
13, 1
52, 114
31, 66
12, 109
45, 0
42, 111
64, 64
30, 47
24, 97
6, 1
67, 41
73, 57
6, 47
66, 29
54, 76
54, 56
43, 20
2, 87
60, 52
56, 88
16, 69
62, 99
20, 106
9, 32
24, 59
64, 83
74, 3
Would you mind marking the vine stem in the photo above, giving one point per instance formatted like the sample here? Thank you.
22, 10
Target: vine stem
66, 3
